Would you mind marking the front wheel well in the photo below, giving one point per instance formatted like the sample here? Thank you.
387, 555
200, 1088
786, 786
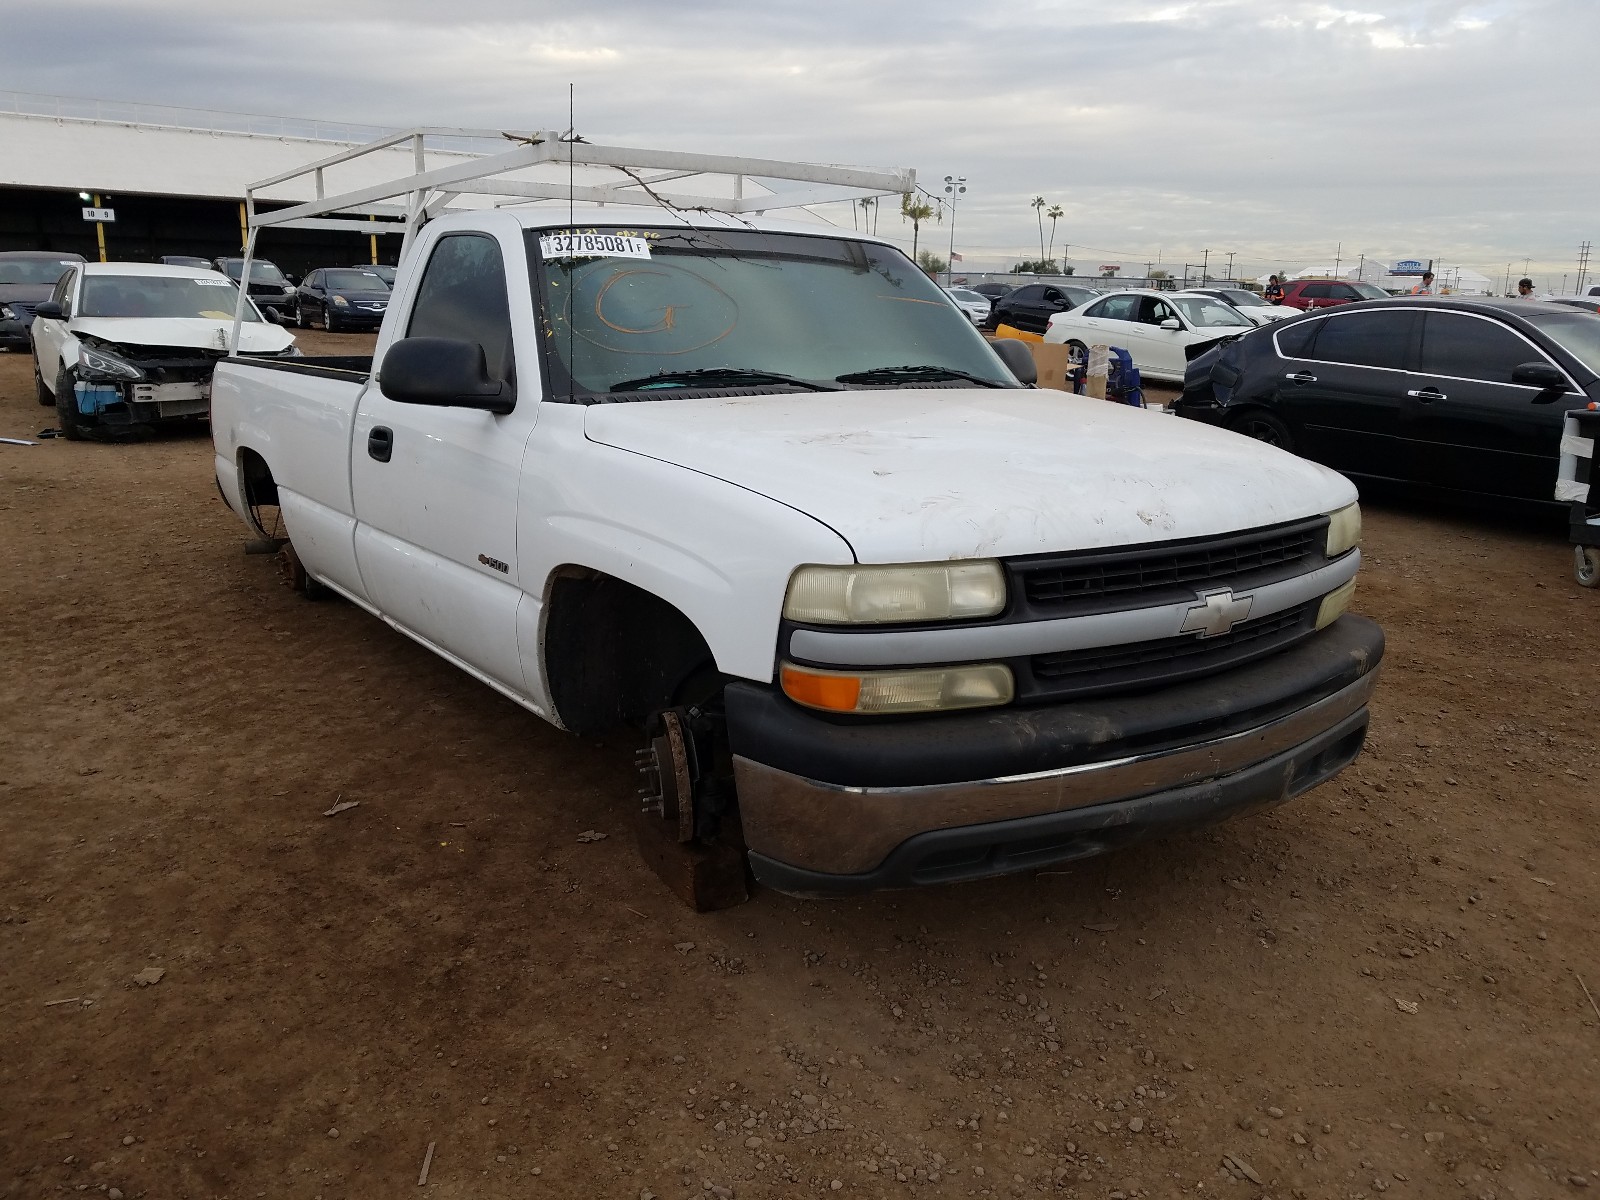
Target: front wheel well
615, 653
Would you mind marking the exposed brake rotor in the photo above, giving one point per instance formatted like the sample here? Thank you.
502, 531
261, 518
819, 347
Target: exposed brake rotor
666, 767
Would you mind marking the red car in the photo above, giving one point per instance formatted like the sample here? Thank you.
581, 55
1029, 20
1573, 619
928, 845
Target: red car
1325, 293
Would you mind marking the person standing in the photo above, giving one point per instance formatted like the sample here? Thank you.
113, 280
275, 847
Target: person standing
1525, 288
1273, 292
1425, 288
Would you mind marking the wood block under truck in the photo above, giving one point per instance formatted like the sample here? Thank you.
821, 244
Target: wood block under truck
1578, 484
661, 449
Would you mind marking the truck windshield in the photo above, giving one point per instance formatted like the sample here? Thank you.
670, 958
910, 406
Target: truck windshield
631, 312
160, 296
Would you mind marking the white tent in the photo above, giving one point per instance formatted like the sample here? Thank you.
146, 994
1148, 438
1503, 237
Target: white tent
1368, 270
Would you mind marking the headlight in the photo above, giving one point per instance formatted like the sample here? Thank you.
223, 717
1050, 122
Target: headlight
1334, 604
1344, 530
874, 595
97, 362
340, 302
935, 689
6, 313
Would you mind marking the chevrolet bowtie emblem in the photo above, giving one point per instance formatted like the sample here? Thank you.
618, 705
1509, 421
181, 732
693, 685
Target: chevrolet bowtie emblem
1216, 613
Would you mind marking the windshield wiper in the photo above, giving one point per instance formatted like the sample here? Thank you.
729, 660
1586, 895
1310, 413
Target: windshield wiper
913, 374
716, 376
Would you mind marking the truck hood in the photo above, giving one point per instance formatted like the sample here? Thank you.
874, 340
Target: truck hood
928, 474
201, 333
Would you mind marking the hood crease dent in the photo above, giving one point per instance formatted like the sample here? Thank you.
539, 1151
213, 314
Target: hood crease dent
929, 475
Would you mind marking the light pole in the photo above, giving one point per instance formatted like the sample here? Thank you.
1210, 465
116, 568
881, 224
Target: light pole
1231, 253
955, 186
1205, 261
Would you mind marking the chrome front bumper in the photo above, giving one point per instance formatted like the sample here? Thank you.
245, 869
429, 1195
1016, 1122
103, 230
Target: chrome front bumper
809, 837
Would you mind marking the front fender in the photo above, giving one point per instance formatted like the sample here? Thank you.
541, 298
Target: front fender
719, 554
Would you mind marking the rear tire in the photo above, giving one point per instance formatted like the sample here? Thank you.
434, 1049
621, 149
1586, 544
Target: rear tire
1264, 427
1586, 565
300, 317
74, 425
1079, 353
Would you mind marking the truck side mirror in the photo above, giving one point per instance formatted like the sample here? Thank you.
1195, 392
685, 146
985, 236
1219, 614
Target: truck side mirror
443, 373
1540, 375
1017, 358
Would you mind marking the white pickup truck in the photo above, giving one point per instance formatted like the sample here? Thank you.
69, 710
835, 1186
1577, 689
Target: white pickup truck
888, 615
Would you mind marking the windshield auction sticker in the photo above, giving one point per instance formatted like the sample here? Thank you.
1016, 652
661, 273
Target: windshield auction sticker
593, 245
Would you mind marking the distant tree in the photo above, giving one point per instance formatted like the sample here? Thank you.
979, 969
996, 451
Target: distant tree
1069, 269
932, 263
1108, 274
1037, 204
1041, 266
1055, 213
916, 211
1158, 273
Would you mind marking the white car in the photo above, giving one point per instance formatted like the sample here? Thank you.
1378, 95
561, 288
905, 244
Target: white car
1251, 304
1153, 327
119, 346
974, 304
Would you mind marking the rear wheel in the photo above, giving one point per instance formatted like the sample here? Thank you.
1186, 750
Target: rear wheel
74, 425
1586, 565
300, 316
1264, 427
1079, 353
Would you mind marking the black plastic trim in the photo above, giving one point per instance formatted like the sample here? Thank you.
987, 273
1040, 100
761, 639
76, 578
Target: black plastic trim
766, 727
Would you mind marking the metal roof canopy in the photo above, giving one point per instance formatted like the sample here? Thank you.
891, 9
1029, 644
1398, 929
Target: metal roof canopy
427, 192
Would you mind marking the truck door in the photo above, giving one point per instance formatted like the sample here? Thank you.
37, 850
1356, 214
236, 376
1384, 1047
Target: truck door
435, 489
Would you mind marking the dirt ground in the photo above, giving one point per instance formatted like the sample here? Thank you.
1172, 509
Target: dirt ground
1376, 989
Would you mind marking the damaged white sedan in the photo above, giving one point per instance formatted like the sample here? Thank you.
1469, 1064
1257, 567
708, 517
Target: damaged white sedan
119, 347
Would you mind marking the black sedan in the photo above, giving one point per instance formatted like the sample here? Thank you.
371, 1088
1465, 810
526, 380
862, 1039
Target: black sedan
1464, 395
342, 298
1030, 307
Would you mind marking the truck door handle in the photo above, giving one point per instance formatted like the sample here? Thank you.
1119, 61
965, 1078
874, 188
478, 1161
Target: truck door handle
1302, 377
1427, 395
380, 443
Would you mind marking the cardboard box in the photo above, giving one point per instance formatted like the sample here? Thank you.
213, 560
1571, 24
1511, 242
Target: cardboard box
1052, 361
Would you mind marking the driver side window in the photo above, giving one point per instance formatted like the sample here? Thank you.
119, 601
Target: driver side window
463, 296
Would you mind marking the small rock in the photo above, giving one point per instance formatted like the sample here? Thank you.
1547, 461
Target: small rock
149, 976
114, 1194
683, 947
1243, 1167
1433, 1136
1275, 1113
1297, 1138
1579, 1181
836, 1185
752, 1143
128, 1141
1407, 1006
592, 835
1247, 1123
1136, 1124
333, 1133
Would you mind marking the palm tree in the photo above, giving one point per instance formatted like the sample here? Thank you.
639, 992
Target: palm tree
916, 211
1055, 213
1037, 204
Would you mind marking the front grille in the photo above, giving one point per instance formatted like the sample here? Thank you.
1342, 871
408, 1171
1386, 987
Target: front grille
1140, 576
23, 308
1076, 673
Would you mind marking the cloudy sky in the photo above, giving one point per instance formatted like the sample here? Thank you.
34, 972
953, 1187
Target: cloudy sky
1284, 131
